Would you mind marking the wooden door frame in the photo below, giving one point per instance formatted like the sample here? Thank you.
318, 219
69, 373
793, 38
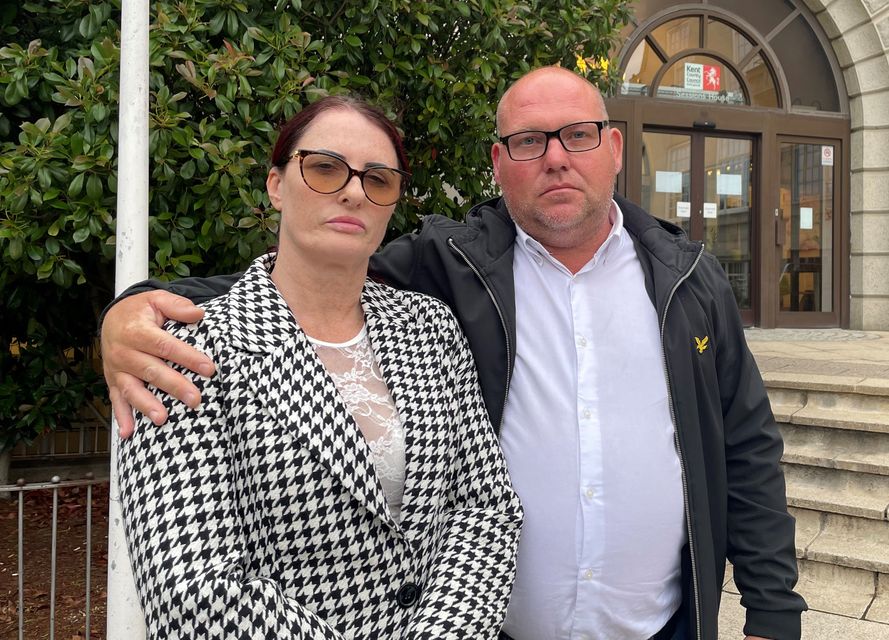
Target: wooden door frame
816, 318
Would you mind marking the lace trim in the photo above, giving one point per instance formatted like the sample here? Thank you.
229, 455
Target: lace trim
358, 379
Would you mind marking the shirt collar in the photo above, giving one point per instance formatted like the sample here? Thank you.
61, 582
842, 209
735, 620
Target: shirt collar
616, 237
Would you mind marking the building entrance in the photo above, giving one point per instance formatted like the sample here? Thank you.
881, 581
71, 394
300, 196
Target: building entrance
736, 129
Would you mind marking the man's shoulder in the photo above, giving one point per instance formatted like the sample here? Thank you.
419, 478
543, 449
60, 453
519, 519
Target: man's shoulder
481, 216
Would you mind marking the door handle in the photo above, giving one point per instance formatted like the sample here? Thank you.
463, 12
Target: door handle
780, 230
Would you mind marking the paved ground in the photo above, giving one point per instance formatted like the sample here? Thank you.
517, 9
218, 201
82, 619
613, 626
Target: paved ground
823, 352
817, 625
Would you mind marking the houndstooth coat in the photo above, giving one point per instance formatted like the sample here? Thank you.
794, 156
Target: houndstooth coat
260, 515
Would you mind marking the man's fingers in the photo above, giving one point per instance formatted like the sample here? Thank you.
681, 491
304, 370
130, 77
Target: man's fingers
133, 393
132, 330
174, 307
166, 347
156, 372
123, 413
135, 346
167, 305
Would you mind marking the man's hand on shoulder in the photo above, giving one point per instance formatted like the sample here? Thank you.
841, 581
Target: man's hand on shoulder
135, 349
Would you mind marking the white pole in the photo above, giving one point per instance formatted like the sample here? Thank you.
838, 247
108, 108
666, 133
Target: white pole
125, 619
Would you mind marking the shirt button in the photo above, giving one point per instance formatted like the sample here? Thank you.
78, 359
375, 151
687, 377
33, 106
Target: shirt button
588, 574
581, 341
590, 492
586, 414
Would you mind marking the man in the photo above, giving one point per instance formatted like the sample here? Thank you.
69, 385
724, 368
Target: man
613, 364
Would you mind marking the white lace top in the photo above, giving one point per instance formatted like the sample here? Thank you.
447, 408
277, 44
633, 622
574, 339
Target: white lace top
357, 378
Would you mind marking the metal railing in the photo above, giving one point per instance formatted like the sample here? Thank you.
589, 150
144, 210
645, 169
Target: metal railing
89, 435
18, 492
81, 439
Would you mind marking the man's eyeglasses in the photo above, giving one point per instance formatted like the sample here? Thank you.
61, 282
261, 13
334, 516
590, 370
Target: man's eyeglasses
326, 173
575, 137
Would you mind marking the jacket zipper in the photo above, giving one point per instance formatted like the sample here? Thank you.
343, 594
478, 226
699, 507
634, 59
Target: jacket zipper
478, 274
691, 543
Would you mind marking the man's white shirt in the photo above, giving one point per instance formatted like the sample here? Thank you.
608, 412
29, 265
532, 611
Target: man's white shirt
589, 441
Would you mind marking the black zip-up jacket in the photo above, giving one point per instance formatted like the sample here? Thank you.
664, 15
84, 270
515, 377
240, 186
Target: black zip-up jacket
726, 435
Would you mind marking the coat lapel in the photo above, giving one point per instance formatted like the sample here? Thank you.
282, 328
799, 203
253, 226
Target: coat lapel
402, 351
296, 388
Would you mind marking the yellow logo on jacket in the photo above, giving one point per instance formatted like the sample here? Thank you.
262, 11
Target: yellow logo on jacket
702, 343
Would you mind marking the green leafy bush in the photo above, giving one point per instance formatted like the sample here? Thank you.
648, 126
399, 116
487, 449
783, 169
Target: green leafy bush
224, 75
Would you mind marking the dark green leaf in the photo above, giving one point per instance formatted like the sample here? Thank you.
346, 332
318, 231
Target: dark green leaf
94, 187
15, 248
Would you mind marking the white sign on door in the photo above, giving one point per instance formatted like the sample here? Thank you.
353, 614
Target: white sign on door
728, 184
806, 218
709, 209
827, 156
668, 181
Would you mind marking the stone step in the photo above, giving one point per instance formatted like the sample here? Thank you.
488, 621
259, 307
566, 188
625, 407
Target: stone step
831, 448
862, 495
838, 408
856, 384
843, 540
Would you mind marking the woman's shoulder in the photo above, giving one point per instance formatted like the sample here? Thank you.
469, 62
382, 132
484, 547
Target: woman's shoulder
408, 305
205, 330
250, 310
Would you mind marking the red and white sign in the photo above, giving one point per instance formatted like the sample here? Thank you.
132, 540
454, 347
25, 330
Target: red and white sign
711, 78
827, 156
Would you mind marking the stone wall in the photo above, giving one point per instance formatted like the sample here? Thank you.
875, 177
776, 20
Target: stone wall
859, 33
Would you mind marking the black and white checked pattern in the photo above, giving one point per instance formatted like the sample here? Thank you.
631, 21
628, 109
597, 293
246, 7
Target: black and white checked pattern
259, 515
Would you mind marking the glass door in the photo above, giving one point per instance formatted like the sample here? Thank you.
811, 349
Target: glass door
727, 212
804, 233
703, 183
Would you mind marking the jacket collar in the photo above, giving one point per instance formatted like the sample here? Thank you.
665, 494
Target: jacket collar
664, 251
261, 322
666, 242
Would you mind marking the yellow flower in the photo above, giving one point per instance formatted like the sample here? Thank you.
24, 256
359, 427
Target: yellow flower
581, 63
603, 64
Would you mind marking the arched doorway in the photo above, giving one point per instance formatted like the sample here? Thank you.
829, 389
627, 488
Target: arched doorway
737, 130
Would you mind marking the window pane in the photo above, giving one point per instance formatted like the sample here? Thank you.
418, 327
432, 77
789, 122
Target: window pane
806, 201
727, 211
760, 83
808, 71
666, 177
763, 15
679, 35
702, 79
727, 41
640, 71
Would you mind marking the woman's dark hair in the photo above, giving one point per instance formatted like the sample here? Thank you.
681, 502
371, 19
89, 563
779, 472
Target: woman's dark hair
293, 129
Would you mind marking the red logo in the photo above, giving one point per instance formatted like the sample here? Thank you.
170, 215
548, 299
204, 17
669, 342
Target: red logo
711, 78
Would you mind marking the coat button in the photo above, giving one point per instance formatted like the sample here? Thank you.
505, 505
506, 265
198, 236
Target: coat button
407, 595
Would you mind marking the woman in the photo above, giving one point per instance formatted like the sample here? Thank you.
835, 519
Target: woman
340, 478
